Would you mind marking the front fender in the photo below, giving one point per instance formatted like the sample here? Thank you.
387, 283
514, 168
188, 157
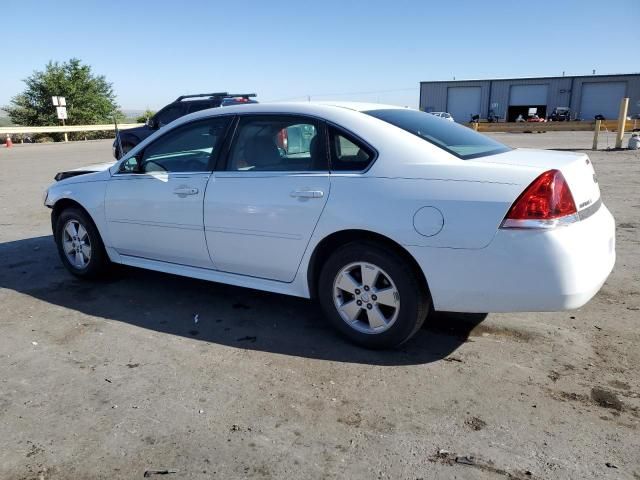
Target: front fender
89, 194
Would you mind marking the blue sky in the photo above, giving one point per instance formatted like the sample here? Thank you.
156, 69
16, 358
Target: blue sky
154, 51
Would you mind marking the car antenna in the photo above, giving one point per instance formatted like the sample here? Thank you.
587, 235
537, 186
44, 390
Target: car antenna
115, 124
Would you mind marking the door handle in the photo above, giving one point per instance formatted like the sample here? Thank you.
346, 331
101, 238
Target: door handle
307, 193
184, 191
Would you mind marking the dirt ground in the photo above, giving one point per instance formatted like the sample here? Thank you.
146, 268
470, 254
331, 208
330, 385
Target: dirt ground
113, 379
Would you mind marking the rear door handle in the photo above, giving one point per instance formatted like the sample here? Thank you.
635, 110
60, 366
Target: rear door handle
184, 191
307, 193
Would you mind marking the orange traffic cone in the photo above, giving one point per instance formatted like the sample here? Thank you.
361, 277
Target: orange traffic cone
8, 143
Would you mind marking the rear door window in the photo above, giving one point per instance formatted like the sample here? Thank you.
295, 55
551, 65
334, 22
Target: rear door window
169, 114
273, 143
197, 106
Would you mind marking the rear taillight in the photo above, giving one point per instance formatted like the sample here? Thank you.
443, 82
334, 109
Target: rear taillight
546, 203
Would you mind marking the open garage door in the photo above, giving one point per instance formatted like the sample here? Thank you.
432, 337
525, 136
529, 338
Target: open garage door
601, 99
526, 98
462, 102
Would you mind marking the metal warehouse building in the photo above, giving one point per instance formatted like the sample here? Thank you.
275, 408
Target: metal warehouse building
586, 96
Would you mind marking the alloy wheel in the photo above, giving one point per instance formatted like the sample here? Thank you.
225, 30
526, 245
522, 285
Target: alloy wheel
366, 297
76, 244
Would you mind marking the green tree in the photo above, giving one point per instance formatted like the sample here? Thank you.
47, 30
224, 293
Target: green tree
90, 98
145, 115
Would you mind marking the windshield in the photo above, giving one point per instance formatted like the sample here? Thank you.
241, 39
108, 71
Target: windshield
461, 141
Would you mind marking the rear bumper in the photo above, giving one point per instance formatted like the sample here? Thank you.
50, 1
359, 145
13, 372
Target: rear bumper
524, 270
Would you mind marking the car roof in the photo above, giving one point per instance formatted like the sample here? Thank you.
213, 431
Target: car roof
293, 107
359, 106
327, 110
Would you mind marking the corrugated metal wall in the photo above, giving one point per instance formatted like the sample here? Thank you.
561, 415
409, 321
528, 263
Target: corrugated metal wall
601, 98
562, 92
633, 90
433, 96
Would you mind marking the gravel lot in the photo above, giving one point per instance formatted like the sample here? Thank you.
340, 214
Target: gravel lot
112, 379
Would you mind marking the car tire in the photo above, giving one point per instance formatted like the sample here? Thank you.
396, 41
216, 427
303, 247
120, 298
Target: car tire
79, 244
373, 295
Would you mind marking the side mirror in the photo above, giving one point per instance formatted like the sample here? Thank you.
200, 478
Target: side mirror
131, 165
151, 123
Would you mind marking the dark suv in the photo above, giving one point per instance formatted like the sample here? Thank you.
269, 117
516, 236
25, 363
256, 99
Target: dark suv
184, 104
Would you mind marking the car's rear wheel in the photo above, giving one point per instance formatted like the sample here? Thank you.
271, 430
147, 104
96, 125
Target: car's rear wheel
79, 244
373, 295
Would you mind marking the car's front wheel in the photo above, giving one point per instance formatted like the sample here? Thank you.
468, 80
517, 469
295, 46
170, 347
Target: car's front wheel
79, 244
373, 295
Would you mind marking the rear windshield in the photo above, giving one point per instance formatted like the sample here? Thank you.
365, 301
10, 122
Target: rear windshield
461, 141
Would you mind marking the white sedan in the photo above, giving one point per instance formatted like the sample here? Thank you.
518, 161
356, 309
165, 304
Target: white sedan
381, 213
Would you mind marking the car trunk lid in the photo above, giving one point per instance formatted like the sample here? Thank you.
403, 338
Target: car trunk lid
576, 168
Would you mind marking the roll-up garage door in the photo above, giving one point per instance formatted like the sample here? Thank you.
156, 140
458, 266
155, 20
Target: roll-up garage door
601, 99
462, 102
528, 95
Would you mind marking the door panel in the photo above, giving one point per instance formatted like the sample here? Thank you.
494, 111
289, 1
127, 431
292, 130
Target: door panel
154, 204
259, 224
260, 213
158, 215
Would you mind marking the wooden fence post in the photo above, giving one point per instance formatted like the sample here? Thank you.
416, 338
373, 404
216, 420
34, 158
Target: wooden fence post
595, 135
622, 121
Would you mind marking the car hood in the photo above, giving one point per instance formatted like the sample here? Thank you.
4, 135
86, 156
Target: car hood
96, 167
